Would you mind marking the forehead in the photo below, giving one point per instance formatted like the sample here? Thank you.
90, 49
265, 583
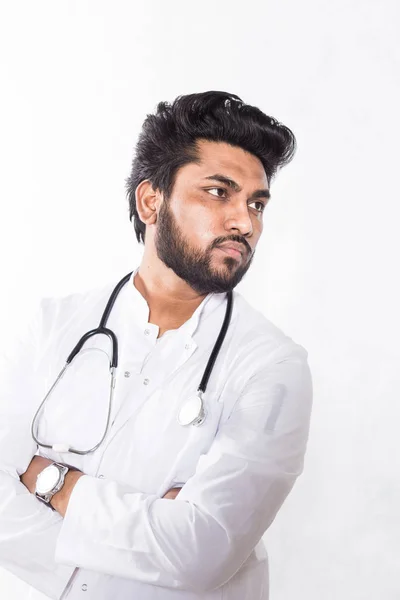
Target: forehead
232, 161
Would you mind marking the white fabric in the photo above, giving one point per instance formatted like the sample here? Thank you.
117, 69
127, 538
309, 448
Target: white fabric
119, 537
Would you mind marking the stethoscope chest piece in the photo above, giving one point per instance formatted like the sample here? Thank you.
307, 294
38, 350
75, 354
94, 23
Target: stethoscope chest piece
192, 412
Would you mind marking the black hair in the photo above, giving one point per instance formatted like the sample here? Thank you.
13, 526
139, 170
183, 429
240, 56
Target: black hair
168, 139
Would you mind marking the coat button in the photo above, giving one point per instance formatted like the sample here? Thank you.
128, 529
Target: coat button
127, 374
146, 381
84, 587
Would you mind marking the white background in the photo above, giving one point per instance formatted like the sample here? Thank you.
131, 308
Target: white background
78, 78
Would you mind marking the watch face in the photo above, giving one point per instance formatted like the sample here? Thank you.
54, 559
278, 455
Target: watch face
47, 479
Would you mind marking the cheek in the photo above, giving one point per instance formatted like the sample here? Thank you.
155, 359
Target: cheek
258, 225
197, 224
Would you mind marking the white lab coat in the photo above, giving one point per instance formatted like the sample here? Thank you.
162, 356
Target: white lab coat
120, 538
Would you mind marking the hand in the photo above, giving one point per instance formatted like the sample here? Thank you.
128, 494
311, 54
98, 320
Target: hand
60, 500
36, 466
172, 493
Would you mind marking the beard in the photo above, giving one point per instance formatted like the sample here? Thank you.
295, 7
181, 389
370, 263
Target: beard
194, 265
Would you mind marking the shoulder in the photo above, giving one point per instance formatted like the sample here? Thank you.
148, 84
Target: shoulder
263, 364
257, 353
256, 333
58, 313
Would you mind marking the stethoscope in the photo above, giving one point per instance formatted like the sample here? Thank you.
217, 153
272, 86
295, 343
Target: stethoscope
191, 412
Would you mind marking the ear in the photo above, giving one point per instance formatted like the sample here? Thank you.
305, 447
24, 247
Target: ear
147, 202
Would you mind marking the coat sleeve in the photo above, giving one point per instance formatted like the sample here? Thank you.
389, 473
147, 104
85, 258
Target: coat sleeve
199, 540
28, 528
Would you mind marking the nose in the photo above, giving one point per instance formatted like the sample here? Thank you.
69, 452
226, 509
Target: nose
239, 220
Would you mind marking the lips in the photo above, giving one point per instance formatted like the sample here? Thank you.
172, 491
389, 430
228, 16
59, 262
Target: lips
233, 248
233, 251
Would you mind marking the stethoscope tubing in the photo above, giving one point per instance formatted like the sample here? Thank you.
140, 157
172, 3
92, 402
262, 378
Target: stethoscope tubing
103, 330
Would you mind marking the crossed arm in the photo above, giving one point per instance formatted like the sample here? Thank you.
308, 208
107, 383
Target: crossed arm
230, 501
60, 500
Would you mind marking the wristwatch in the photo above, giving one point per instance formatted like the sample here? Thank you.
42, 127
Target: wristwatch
50, 481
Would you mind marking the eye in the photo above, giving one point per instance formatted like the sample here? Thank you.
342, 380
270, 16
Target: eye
261, 206
219, 189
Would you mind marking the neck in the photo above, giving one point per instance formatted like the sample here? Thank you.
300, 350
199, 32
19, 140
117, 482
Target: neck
170, 299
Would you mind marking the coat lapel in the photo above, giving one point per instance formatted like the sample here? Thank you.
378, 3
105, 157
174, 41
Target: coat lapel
131, 400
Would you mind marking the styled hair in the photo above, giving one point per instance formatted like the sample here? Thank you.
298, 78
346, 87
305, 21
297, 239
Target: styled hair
168, 139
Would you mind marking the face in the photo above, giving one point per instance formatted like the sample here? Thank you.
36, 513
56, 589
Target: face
214, 204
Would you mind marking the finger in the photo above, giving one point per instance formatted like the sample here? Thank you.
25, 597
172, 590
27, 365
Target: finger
172, 493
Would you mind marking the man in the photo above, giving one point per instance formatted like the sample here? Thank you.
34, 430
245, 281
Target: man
115, 526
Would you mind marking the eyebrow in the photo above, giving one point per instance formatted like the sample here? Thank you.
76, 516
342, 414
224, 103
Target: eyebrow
263, 193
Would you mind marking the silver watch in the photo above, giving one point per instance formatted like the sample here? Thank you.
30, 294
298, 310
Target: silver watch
50, 481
